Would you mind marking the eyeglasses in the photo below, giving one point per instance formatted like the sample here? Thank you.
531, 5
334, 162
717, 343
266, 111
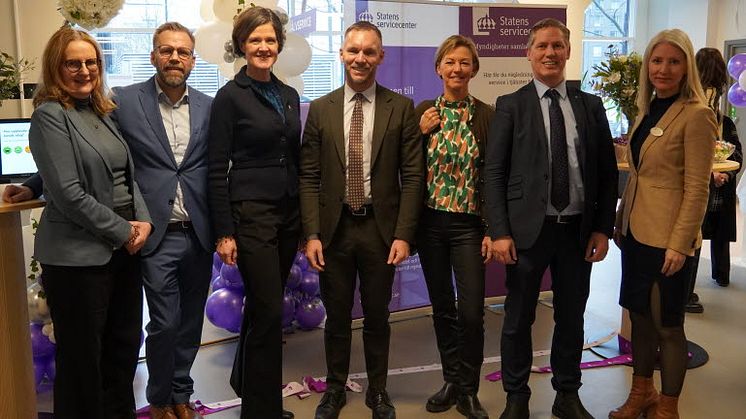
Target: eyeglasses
75, 66
166, 51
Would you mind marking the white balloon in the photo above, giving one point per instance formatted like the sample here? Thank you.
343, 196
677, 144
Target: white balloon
282, 14
225, 10
269, 4
205, 10
296, 82
226, 70
295, 56
238, 64
210, 39
742, 80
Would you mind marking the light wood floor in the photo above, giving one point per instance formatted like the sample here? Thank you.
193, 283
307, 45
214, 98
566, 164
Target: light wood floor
715, 390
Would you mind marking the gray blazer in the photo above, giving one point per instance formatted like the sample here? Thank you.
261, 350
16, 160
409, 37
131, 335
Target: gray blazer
78, 226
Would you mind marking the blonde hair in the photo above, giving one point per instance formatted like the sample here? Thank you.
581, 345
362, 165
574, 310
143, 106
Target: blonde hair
52, 64
453, 42
691, 87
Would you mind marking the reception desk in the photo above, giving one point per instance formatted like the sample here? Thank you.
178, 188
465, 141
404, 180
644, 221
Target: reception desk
17, 387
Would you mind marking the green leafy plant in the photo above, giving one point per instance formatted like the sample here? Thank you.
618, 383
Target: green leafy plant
10, 75
34, 264
616, 79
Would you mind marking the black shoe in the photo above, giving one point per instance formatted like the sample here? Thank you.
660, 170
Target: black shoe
515, 409
380, 403
723, 282
443, 399
567, 405
330, 405
287, 415
691, 307
694, 298
469, 406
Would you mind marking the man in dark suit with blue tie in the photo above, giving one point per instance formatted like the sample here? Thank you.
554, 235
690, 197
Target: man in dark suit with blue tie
550, 182
165, 124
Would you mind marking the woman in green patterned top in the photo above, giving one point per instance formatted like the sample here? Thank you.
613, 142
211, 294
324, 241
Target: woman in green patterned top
451, 235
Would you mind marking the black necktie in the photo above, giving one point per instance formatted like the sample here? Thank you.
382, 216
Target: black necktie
558, 140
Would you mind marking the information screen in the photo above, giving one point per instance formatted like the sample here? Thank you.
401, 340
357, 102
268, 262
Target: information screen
15, 154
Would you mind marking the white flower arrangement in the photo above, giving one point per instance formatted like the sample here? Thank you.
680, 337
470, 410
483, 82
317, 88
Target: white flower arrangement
90, 14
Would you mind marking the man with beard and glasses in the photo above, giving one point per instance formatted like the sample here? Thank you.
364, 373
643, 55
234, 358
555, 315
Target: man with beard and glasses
361, 188
165, 124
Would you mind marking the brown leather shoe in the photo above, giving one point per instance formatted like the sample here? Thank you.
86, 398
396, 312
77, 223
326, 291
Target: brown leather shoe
162, 412
667, 408
186, 411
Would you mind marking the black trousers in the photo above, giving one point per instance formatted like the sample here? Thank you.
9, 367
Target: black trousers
452, 242
559, 247
97, 315
719, 251
357, 249
267, 238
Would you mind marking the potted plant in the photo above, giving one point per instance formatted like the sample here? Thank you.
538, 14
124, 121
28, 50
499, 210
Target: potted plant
10, 75
616, 79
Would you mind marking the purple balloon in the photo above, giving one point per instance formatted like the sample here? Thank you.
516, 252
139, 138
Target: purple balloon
231, 276
736, 65
301, 261
218, 283
294, 277
41, 346
288, 309
217, 263
736, 95
215, 273
309, 284
310, 313
50, 369
39, 365
224, 308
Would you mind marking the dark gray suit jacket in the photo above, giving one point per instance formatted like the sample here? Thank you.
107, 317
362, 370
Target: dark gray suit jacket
78, 226
396, 167
517, 166
139, 118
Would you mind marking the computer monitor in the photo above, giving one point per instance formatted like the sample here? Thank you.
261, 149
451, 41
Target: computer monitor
16, 162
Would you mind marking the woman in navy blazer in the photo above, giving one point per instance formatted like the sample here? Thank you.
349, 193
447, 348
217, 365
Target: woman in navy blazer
253, 193
92, 228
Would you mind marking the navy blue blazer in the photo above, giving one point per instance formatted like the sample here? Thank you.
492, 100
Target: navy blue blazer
517, 166
156, 171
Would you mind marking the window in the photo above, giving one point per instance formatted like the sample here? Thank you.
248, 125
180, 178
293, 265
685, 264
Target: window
607, 22
127, 42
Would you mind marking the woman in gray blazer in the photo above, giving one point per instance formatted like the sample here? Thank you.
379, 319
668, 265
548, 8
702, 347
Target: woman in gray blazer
90, 232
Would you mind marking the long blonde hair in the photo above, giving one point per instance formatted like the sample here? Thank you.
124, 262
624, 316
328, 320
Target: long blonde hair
52, 63
691, 87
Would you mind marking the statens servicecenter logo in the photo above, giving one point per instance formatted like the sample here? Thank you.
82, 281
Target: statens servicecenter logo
386, 20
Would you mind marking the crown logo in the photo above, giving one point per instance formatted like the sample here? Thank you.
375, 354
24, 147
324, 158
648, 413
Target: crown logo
486, 23
365, 16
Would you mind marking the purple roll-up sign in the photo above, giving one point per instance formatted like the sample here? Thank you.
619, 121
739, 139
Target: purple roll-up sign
503, 31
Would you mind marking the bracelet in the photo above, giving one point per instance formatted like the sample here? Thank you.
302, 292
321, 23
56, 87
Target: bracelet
135, 235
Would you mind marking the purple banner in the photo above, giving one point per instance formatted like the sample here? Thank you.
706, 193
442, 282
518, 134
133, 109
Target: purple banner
503, 31
303, 24
410, 71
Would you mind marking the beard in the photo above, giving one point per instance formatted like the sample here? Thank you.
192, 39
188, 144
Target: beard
173, 79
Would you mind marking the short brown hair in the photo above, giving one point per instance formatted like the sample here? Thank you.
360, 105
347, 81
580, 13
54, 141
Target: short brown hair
250, 19
52, 65
548, 23
712, 73
453, 42
173, 27
364, 25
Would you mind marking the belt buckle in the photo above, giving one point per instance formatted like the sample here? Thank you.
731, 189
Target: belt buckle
562, 220
183, 224
360, 212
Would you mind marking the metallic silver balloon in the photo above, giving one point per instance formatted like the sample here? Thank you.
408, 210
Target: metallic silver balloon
228, 57
38, 310
228, 46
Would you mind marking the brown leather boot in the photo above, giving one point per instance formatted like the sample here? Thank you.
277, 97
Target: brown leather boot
641, 400
162, 412
667, 408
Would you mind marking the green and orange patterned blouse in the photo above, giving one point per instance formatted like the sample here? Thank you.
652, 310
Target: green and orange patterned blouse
453, 159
